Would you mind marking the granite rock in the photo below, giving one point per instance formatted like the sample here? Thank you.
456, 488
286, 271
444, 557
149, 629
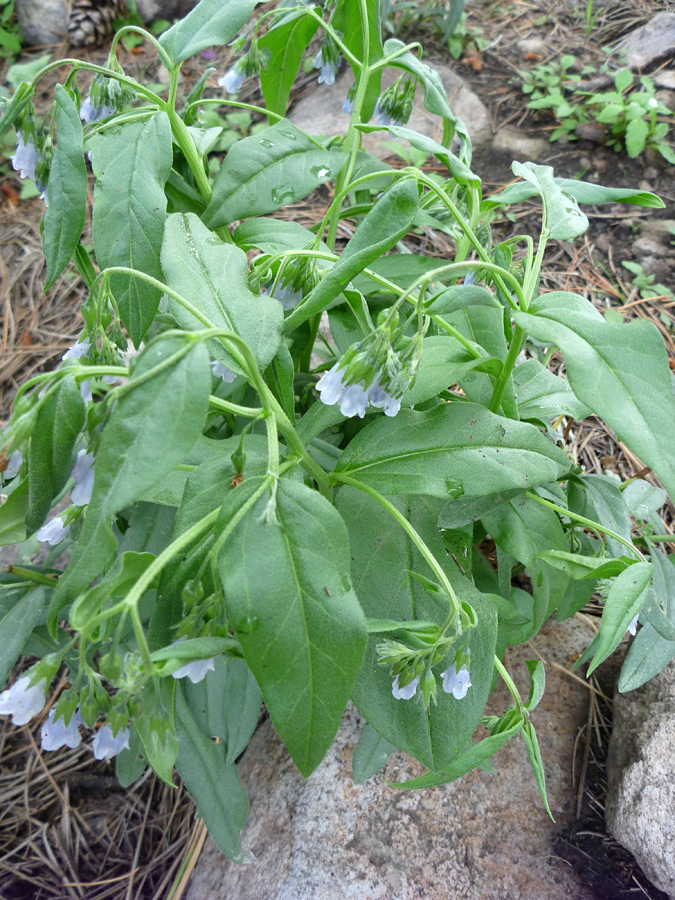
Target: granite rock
640, 805
485, 837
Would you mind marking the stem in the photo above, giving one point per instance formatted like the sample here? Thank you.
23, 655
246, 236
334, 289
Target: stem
589, 523
249, 412
77, 65
426, 553
513, 690
29, 575
161, 52
659, 538
509, 363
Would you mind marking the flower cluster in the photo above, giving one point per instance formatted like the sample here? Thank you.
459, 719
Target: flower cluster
246, 66
106, 96
57, 529
30, 163
296, 278
328, 60
395, 105
371, 373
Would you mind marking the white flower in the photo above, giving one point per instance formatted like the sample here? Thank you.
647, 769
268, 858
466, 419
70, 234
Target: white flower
106, 745
25, 158
632, 628
90, 113
232, 80
53, 532
78, 350
85, 391
42, 188
352, 398
653, 102
195, 670
83, 473
222, 371
380, 399
13, 466
456, 683
404, 693
56, 734
23, 702
328, 69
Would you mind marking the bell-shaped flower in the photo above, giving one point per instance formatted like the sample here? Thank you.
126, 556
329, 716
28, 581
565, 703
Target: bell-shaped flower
328, 69
83, 473
233, 79
456, 683
632, 628
196, 670
78, 350
55, 734
53, 532
407, 692
23, 701
351, 398
106, 744
89, 112
25, 158
380, 399
221, 371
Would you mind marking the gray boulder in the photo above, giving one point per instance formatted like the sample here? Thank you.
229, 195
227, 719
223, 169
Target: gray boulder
640, 806
485, 837
650, 42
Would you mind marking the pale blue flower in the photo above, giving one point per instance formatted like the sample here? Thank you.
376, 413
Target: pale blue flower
53, 532
328, 69
351, 398
56, 734
288, 297
348, 105
456, 683
83, 473
380, 399
90, 113
632, 628
407, 692
196, 670
25, 158
222, 371
233, 79
78, 350
23, 701
106, 744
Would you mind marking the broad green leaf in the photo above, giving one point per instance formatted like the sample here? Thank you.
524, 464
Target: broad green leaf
444, 362
564, 219
401, 268
643, 499
266, 171
157, 729
582, 191
272, 235
467, 760
438, 452
624, 601
601, 500
66, 188
213, 277
386, 223
132, 164
463, 511
13, 514
537, 682
286, 41
16, 626
460, 296
150, 431
619, 371
302, 631
52, 449
636, 136
211, 22
280, 378
370, 754
131, 763
383, 559
542, 395
577, 566
226, 705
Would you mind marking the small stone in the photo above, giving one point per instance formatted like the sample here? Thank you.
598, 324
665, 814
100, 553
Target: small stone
520, 145
667, 98
649, 42
647, 246
600, 164
641, 777
532, 45
659, 229
42, 21
591, 131
664, 79
644, 185
658, 267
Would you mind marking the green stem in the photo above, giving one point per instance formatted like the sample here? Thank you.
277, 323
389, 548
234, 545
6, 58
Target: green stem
101, 70
249, 412
29, 575
161, 52
513, 690
509, 363
588, 523
659, 538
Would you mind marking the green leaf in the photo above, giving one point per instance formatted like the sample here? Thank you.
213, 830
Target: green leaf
576, 565
210, 23
66, 188
530, 738
16, 627
132, 164
272, 235
564, 219
624, 601
131, 763
386, 223
370, 754
127, 569
13, 514
346, 19
467, 760
286, 41
619, 371
302, 632
438, 452
582, 191
636, 137
444, 361
542, 395
150, 431
460, 296
52, 449
266, 171
213, 277
194, 648
537, 682
156, 728
280, 379
383, 558
463, 511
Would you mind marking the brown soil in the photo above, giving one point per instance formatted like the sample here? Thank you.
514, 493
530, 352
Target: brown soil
68, 831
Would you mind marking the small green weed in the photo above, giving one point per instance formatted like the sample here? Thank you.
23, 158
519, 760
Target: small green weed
10, 39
